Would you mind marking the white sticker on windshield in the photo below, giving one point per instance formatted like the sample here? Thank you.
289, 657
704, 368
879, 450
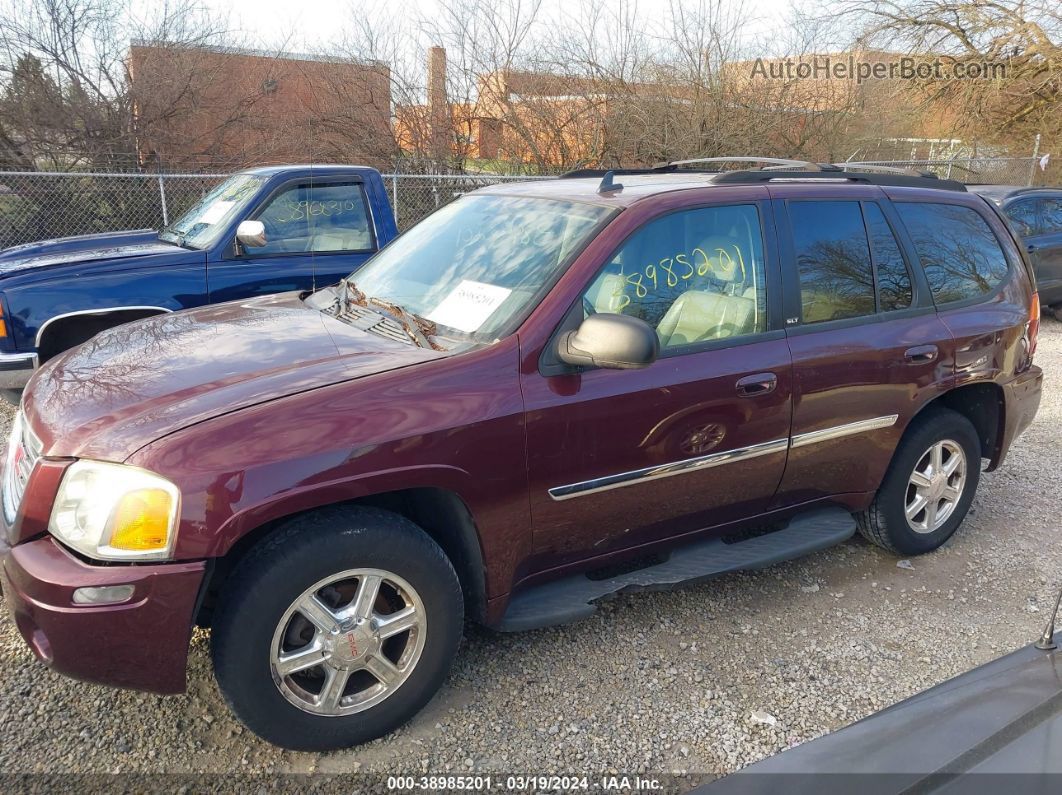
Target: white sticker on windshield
215, 212
469, 305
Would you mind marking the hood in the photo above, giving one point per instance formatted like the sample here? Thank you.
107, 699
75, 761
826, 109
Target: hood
58, 247
135, 383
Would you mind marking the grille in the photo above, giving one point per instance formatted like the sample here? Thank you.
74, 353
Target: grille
22, 456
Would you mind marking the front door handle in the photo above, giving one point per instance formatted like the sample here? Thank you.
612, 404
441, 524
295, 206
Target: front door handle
920, 354
757, 384
1031, 248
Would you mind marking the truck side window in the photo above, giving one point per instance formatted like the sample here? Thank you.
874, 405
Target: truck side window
317, 218
832, 259
960, 254
694, 276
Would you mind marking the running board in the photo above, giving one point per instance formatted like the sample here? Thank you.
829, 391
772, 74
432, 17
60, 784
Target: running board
572, 598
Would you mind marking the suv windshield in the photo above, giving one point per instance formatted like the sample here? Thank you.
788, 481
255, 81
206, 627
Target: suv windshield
475, 264
201, 226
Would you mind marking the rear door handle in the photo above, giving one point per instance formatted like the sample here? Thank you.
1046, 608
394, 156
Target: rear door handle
920, 354
1031, 248
757, 384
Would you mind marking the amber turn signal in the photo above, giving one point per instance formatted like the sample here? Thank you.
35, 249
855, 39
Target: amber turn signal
142, 520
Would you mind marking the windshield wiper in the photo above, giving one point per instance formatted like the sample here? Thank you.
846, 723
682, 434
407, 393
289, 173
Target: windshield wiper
419, 329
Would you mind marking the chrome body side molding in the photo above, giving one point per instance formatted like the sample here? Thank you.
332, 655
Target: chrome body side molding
667, 470
837, 431
647, 474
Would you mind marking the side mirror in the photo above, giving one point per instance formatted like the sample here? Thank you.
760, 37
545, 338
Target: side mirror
613, 341
251, 234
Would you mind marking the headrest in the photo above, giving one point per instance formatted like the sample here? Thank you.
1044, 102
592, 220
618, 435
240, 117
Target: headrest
727, 262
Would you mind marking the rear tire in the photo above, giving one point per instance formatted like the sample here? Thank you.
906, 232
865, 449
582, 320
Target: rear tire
1056, 311
303, 651
929, 485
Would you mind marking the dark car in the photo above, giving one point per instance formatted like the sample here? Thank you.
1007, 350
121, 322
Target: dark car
266, 230
1036, 214
541, 395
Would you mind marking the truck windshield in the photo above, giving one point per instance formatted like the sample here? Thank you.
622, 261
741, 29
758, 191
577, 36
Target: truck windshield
201, 226
475, 264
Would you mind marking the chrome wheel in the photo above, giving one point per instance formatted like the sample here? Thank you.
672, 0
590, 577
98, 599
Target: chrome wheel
935, 486
348, 642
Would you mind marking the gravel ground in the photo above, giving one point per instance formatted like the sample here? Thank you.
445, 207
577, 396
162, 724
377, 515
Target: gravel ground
655, 682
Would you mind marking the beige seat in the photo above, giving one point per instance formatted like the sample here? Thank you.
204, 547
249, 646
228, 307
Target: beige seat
701, 315
340, 240
607, 293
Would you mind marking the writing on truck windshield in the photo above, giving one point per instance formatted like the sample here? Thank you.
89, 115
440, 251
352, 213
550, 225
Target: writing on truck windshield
201, 225
476, 263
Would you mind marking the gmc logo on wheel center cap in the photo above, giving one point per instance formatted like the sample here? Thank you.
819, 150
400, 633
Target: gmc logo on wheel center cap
353, 644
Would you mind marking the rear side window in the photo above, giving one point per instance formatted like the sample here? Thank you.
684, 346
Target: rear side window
833, 260
894, 282
960, 254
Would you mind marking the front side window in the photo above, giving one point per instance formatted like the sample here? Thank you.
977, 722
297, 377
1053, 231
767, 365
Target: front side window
694, 276
316, 218
478, 262
833, 260
960, 254
201, 226
1025, 215
1052, 216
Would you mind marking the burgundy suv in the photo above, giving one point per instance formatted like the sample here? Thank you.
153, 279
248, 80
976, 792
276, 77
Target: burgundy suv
541, 395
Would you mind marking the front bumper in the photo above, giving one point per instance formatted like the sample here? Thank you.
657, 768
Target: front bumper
141, 643
16, 369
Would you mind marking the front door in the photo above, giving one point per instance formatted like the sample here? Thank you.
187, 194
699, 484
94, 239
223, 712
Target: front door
620, 458
316, 233
868, 347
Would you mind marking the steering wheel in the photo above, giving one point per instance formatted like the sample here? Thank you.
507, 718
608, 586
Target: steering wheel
588, 307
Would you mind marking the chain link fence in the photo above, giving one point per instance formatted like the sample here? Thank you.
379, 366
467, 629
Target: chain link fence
973, 170
43, 205
39, 205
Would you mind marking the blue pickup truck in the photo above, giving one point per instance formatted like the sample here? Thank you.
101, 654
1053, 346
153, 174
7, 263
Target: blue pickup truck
265, 230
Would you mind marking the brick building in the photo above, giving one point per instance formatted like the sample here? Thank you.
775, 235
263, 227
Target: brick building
214, 107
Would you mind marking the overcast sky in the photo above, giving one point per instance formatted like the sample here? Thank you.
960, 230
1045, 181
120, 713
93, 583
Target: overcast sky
308, 25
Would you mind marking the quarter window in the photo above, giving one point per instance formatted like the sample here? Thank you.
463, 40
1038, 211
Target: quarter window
833, 260
694, 276
960, 254
316, 218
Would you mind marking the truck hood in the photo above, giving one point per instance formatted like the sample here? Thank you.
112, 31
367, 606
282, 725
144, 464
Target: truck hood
85, 248
136, 383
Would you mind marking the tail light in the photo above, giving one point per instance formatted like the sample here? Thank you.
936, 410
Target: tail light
1032, 328
3, 322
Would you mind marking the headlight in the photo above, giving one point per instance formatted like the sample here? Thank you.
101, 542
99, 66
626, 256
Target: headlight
115, 512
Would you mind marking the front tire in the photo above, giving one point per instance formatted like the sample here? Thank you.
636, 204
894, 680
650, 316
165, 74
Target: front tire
337, 629
928, 487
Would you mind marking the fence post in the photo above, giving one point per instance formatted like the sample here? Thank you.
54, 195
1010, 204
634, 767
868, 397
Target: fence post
162, 199
394, 193
1035, 159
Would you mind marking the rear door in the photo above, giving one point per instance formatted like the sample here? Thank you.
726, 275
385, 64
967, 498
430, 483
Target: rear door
317, 232
868, 348
619, 458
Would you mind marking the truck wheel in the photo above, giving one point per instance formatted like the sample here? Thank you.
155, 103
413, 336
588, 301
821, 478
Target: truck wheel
1056, 311
337, 629
928, 486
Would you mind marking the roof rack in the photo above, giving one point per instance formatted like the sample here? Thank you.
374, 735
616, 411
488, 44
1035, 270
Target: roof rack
776, 169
